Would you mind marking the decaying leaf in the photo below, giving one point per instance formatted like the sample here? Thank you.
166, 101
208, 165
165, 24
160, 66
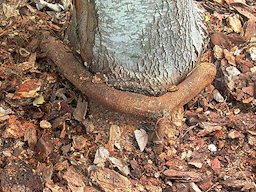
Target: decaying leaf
120, 165
208, 128
16, 128
244, 10
28, 88
10, 10
4, 113
81, 109
183, 176
235, 23
215, 164
39, 101
101, 156
109, 180
75, 179
114, 137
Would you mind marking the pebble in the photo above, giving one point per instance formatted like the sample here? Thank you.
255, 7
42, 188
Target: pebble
233, 71
217, 96
212, 148
252, 52
45, 124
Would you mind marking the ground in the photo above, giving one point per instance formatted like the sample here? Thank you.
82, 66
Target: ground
54, 139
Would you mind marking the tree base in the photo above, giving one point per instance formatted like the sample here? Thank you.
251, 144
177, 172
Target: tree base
122, 101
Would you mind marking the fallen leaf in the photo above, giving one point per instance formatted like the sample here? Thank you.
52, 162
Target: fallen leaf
79, 142
120, 165
16, 128
235, 23
108, 180
80, 110
31, 137
252, 52
218, 52
28, 89
10, 10
196, 164
54, 187
221, 40
114, 137
141, 137
250, 30
251, 140
183, 176
208, 128
4, 113
230, 57
234, 134
244, 10
75, 179
38, 101
101, 156
215, 164
249, 90
44, 148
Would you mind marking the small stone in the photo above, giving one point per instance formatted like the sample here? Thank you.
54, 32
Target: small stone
237, 111
212, 148
217, 96
252, 52
233, 71
44, 124
253, 69
186, 154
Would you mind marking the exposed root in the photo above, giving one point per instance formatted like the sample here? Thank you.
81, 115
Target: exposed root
126, 102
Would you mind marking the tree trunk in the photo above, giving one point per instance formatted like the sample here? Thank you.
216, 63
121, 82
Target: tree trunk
141, 46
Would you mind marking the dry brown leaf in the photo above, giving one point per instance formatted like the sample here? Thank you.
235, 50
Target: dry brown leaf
16, 128
114, 138
79, 142
235, 1
31, 137
215, 164
230, 57
250, 30
28, 89
221, 40
81, 109
75, 179
235, 23
245, 10
184, 176
108, 180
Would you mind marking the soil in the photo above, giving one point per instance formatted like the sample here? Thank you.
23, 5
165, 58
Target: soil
52, 138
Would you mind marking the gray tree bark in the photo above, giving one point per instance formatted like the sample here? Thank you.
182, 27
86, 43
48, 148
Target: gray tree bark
143, 46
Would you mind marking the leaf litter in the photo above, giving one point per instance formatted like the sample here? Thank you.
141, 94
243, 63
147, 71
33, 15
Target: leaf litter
78, 146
